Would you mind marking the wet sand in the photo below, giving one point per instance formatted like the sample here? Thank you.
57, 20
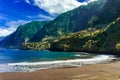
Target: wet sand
110, 71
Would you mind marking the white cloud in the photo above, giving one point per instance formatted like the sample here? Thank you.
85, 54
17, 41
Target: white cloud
91, 1
12, 26
27, 1
58, 6
41, 17
45, 17
5, 32
15, 24
51, 6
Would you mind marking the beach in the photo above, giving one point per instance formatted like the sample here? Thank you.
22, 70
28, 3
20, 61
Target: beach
98, 67
109, 71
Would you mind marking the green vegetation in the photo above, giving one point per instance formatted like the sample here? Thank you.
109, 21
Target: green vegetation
43, 45
118, 46
22, 34
96, 15
71, 21
100, 35
94, 28
104, 40
36, 46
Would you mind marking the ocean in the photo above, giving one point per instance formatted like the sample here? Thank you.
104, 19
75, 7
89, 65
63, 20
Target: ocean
13, 60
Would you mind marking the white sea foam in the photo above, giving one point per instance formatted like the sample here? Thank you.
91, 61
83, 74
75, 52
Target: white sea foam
77, 55
35, 66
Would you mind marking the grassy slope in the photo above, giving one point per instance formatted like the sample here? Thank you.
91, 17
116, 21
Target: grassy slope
71, 21
22, 34
104, 40
100, 36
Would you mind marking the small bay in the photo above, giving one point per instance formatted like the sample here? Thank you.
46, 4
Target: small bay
13, 60
14, 55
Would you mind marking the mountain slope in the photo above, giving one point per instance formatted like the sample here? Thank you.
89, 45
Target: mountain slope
94, 38
71, 21
22, 34
110, 12
105, 40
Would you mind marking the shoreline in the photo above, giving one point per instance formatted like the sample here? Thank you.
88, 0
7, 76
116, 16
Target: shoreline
109, 71
38, 66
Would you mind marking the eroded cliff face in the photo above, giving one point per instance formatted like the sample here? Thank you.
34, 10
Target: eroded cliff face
99, 40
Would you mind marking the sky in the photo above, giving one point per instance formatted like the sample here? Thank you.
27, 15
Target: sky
18, 12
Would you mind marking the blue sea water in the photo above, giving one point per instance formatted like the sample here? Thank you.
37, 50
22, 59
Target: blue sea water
15, 56
12, 60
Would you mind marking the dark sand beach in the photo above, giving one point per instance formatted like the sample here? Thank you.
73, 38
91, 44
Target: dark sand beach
110, 71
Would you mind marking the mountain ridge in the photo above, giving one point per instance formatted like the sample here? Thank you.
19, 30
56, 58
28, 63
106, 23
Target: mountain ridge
22, 34
71, 21
106, 40
88, 18
100, 36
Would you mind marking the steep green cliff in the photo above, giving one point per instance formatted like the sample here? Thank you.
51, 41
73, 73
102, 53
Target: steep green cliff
71, 21
110, 12
86, 25
22, 34
100, 32
104, 40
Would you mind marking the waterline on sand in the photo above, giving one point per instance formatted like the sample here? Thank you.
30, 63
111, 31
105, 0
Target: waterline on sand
36, 66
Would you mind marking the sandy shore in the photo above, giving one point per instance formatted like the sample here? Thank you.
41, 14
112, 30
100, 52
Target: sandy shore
109, 71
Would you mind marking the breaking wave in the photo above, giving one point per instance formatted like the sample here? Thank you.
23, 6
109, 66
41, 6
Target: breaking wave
36, 66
